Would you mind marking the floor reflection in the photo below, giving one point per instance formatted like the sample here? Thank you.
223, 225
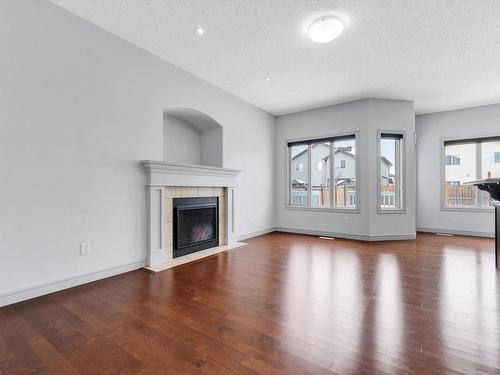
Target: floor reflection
389, 317
469, 317
328, 284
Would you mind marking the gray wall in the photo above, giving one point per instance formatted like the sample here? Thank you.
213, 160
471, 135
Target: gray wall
181, 141
470, 122
79, 108
212, 147
365, 116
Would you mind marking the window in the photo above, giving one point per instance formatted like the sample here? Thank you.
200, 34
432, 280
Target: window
452, 160
313, 185
492, 157
391, 171
299, 167
299, 178
479, 158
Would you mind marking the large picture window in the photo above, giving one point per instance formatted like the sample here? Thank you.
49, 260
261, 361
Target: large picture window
391, 172
327, 178
467, 160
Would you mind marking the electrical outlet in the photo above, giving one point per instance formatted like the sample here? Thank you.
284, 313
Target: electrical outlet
346, 220
185, 150
84, 248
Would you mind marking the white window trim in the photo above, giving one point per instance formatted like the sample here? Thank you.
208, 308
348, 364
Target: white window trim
403, 178
288, 181
443, 207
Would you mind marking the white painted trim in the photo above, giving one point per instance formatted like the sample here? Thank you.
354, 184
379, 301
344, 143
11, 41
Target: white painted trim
230, 216
256, 234
349, 236
65, 283
156, 254
168, 167
161, 173
457, 232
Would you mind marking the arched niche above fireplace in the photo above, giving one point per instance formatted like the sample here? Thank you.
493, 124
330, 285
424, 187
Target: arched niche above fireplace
191, 137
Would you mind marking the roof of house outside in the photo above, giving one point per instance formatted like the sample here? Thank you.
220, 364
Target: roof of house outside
386, 161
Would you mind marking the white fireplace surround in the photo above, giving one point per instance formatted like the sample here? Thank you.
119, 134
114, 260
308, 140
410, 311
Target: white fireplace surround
160, 176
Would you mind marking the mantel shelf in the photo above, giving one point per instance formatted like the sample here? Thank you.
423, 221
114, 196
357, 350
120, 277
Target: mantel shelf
162, 173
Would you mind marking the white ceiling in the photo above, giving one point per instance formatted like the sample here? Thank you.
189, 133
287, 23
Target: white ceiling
443, 54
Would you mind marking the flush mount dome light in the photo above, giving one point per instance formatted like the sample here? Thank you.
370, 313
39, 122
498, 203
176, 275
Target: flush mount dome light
199, 30
325, 29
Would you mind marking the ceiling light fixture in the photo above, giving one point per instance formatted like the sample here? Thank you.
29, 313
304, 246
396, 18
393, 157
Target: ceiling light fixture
267, 79
199, 30
325, 29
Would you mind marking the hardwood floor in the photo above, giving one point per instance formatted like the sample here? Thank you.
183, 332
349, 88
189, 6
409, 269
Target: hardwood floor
283, 304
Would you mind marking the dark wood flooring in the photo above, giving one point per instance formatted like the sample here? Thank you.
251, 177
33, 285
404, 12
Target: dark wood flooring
284, 304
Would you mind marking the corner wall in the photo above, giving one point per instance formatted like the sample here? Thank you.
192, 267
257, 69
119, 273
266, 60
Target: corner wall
366, 117
431, 128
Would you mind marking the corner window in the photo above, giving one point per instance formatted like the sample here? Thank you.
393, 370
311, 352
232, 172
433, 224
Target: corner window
479, 158
391, 172
318, 183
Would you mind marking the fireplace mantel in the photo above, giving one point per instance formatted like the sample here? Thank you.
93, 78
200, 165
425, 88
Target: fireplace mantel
162, 173
162, 179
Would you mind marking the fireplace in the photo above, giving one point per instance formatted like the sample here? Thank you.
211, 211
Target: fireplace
195, 224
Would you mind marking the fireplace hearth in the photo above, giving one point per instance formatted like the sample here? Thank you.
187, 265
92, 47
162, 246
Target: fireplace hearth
195, 224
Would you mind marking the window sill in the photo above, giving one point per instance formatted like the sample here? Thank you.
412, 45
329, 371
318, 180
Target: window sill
391, 210
323, 209
468, 209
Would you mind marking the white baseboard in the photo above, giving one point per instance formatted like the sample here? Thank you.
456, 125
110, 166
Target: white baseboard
348, 236
68, 282
255, 234
457, 232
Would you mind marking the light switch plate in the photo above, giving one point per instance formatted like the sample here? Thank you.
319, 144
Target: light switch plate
84, 248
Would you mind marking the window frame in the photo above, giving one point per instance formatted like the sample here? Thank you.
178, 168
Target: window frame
288, 174
402, 178
479, 164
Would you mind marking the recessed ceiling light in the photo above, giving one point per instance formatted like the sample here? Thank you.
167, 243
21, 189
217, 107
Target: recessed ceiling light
325, 29
199, 30
267, 79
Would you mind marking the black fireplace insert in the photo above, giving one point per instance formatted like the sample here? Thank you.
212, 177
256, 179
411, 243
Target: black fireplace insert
196, 224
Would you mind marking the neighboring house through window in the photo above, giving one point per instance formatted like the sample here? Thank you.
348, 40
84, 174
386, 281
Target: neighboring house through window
492, 157
312, 184
452, 160
391, 171
466, 160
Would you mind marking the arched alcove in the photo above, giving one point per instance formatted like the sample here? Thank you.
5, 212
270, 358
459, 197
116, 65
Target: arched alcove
191, 137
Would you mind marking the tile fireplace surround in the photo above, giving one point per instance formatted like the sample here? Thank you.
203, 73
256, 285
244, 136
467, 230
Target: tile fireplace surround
173, 180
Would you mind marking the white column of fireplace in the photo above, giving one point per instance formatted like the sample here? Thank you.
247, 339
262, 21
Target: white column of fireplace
162, 175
